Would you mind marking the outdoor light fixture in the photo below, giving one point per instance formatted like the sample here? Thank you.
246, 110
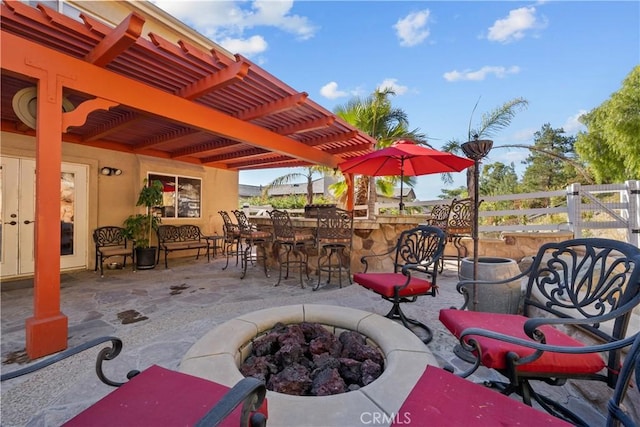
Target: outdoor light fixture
476, 150
108, 171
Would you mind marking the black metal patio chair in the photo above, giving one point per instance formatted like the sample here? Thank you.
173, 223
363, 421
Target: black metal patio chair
443, 398
577, 291
334, 241
159, 396
232, 245
252, 238
416, 255
290, 245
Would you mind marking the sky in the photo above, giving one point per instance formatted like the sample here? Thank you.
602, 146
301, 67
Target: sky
441, 58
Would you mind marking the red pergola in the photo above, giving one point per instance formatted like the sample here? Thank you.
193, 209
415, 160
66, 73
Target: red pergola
145, 96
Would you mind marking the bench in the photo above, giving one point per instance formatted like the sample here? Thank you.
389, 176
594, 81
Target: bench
110, 241
179, 238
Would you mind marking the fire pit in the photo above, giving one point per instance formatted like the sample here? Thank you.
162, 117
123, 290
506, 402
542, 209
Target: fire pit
307, 359
218, 355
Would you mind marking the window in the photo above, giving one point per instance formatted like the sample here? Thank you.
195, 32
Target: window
59, 6
181, 197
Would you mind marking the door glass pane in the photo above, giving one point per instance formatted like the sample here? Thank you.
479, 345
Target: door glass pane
67, 209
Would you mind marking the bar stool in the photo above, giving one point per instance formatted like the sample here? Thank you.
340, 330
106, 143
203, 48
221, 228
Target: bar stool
293, 243
439, 217
334, 238
232, 245
252, 237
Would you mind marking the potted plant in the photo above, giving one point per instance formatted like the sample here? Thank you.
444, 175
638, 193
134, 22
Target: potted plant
139, 227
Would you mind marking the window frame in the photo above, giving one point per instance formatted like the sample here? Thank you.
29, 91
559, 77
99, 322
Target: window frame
184, 206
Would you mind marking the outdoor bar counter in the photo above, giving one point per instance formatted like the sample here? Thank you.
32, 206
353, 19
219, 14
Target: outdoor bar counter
370, 236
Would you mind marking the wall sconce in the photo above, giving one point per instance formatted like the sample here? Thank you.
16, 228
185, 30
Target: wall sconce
110, 171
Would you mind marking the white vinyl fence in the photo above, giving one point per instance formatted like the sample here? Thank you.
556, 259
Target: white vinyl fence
579, 208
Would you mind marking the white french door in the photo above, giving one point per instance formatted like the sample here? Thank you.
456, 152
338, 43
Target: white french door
17, 212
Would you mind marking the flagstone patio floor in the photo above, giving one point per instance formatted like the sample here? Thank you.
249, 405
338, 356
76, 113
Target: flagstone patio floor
159, 314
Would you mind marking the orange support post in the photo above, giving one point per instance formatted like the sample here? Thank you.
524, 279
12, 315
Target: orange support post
348, 177
47, 329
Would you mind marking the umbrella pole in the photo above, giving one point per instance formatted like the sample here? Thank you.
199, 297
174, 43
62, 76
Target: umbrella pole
401, 185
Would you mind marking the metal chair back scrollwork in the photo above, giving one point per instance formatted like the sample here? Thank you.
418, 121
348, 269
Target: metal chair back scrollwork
459, 225
334, 240
252, 238
439, 216
232, 243
290, 245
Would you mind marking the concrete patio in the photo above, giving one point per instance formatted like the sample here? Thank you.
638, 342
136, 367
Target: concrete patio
159, 314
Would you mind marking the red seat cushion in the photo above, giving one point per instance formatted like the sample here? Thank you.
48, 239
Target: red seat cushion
440, 398
385, 284
158, 397
494, 351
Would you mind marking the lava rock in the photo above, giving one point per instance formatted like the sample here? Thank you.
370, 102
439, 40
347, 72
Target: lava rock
328, 382
351, 370
260, 367
370, 371
293, 380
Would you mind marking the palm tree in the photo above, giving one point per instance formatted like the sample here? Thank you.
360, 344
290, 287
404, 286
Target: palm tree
376, 116
490, 124
290, 177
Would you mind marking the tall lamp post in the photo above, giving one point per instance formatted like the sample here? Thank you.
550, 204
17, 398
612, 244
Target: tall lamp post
476, 150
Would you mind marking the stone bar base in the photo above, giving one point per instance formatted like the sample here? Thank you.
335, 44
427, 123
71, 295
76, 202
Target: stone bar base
377, 236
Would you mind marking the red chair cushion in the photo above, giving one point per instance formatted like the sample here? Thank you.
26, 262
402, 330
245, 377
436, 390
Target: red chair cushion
440, 398
385, 284
158, 397
494, 351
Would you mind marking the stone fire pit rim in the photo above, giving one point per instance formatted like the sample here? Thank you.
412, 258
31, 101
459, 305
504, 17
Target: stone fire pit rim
218, 354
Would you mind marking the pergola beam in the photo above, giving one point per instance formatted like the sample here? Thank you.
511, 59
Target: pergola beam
274, 107
307, 126
19, 55
117, 41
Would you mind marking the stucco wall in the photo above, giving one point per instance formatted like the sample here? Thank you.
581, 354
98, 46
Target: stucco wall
112, 198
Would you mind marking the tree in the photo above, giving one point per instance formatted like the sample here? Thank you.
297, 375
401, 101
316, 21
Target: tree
290, 177
454, 193
610, 145
547, 168
498, 178
376, 116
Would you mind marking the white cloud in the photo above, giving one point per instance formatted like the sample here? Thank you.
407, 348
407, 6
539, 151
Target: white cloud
573, 125
247, 47
481, 74
330, 91
514, 26
394, 86
229, 21
412, 29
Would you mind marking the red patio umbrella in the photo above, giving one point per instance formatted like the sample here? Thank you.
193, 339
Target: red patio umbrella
405, 158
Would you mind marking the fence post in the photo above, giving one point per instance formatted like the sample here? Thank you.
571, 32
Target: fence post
633, 199
574, 209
